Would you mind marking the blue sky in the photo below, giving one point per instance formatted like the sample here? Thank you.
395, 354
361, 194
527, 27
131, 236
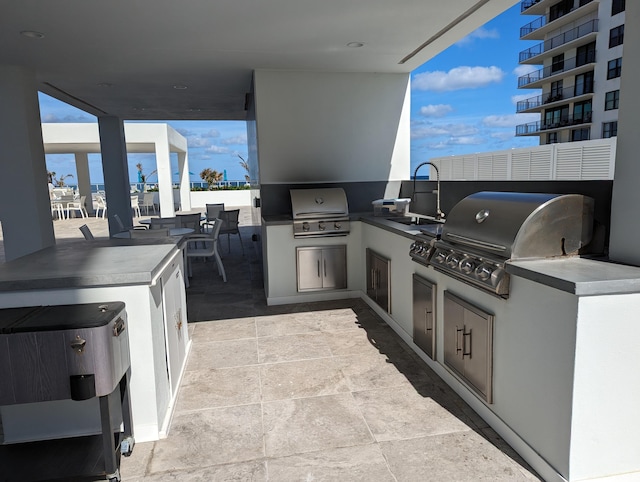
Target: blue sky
463, 101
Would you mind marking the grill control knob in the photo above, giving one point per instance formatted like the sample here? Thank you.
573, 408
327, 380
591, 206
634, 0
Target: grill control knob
321, 226
440, 257
305, 226
467, 266
453, 260
484, 272
337, 225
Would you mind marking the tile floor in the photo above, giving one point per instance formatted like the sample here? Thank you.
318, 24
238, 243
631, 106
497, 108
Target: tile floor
310, 392
306, 392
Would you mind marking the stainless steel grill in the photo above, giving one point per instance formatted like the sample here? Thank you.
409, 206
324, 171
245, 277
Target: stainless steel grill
487, 229
319, 212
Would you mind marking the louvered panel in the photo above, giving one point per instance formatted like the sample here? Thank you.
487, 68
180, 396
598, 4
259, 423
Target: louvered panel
596, 162
469, 168
520, 165
500, 168
457, 169
540, 165
485, 167
568, 163
444, 165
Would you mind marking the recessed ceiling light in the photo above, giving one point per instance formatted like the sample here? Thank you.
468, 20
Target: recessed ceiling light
104, 84
179, 86
32, 34
194, 109
355, 45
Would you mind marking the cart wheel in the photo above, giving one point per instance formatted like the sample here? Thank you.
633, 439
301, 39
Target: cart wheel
126, 446
115, 477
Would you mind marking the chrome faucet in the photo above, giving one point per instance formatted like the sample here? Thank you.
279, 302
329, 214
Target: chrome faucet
439, 213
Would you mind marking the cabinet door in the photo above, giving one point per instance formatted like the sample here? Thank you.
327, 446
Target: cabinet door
334, 267
424, 304
309, 268
371, 275
383, 288
478, 345
452, 333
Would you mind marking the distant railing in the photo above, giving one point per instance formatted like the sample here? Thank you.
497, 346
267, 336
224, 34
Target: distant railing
544, 20
540, 100
557, 68
564, 122
137, 186
558, 40
528, 3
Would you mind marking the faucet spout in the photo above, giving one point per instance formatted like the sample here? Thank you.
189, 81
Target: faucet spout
439, 213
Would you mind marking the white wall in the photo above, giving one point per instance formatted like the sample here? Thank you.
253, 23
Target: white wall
328, 127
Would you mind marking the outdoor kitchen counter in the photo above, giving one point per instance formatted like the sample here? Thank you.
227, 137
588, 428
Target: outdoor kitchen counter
82, 264
579, 276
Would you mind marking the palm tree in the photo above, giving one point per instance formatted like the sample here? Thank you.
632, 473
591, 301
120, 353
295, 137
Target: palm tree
245, 166
211, 177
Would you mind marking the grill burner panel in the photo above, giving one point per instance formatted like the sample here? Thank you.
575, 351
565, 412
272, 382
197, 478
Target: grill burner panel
319, 213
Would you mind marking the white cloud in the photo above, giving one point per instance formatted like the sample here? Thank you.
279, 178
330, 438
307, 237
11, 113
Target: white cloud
435, 110
510, 120
457, 78
481, 34
521, 70
52, 118
452, 130
218, 150
229, 141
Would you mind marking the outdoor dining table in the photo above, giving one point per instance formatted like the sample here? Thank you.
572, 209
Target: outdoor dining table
172, 232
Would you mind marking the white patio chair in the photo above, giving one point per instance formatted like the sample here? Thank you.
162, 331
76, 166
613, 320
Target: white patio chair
100, 204
77, 206
147, 202
205, 246
135, 205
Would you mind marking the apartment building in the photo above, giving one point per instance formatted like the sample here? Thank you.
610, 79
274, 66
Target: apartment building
580, 60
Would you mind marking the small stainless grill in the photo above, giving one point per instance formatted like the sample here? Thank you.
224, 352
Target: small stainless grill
319, 212
487, 229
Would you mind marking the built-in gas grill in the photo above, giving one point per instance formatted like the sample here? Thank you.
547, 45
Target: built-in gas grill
487, 229
319, 212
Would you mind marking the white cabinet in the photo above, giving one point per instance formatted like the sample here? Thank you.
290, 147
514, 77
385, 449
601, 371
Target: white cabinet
379, 279
321, 267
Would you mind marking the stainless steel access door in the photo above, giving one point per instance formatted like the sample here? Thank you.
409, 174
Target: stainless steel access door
424, 315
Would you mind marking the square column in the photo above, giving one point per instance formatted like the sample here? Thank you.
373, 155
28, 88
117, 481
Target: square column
25, 207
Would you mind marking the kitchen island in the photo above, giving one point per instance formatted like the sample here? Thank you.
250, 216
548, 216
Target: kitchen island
148, 276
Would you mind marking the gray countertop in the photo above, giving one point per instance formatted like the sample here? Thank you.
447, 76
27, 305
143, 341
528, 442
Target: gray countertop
82, 264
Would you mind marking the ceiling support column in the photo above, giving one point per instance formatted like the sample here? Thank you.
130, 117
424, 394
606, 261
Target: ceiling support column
163, 165
25, 207
84, 183
185, 184
115, 170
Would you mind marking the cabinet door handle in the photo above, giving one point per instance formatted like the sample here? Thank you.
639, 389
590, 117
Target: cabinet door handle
427, 319
318, 268
464, 344
324, 263
459, 338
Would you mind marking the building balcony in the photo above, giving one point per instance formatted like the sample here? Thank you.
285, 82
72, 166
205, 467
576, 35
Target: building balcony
541, 26
535, 7
574, 65
536, 104
539, 127
532, 55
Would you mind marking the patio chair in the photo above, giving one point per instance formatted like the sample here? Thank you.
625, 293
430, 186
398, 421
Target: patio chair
100, 204
213, 213
191, 221
57, 208
160, 223
135, 205
122, 228
88, 235
77, 205
147, 202
148, 233
209, 247
230, 226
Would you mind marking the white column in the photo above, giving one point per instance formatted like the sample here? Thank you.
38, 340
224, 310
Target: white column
115, 169
163, 165
84, 183
185, 184
625, 220
25, 208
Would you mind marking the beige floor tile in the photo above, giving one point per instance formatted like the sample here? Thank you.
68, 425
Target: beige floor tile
462, 456
292, 347
221, 354
221, 330
363, 463
311, 424
403, 413
210, 437
136, 464
306, 378
242, 472
374, 370
219, 387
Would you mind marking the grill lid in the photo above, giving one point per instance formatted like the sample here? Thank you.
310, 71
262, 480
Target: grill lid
521, 225
319, 203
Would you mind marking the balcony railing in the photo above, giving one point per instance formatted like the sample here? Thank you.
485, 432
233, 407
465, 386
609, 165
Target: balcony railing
564, 122
540, 100
558, 40
528, 3
544, 20
555, 69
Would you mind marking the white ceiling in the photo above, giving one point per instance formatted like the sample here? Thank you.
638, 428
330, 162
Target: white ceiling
123, 57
